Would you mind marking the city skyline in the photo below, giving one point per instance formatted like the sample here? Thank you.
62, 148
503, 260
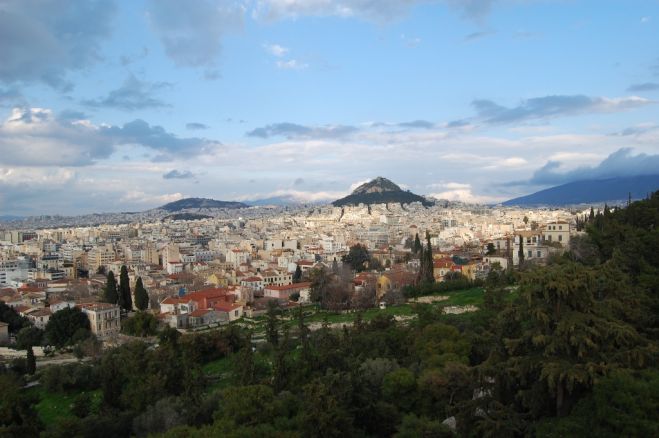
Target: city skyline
126, 106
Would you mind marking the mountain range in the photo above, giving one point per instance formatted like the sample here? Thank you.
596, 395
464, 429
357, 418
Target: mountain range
591, 191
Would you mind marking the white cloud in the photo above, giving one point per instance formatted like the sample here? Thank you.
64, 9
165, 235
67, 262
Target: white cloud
292, 64
276, 50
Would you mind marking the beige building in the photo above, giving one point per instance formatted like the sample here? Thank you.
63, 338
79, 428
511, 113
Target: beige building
104, 319
100, 256
557, 232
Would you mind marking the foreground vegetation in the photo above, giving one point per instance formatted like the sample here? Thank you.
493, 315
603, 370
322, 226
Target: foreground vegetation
571, 352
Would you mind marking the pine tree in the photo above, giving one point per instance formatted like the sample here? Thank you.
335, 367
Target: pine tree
141, 295
31, 363
110, 294
125, 298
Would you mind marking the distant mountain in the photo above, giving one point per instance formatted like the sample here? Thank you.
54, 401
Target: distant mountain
591, 191
280, 201
195, 203
380, 191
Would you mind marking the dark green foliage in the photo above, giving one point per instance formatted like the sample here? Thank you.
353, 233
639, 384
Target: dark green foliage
29, 337
30, 362
141, 296
357, 258
125, 298
297, 276
491, 249
66, 327
141, 324
110, 293
272, 323
17, 415
416, 248
9, 315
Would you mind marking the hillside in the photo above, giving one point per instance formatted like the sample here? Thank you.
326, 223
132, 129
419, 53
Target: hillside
380, 191
195, 203
591, 191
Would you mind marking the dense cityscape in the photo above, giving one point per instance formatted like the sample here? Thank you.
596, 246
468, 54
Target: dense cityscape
329, 218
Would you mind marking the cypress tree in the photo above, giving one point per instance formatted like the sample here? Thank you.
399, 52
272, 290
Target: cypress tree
297, 277
125, 299
520, 253
141, 295
110, 294
428, 271
417, 244
31, 363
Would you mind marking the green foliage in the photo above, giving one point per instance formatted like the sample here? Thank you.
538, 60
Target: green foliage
141, 324
66, 327
17, 415
29, 337
9, 316
124, 295
357, 258
272, 323
110, 293
141, 295
30, 361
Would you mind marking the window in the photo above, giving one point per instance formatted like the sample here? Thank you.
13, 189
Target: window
539, 254
549, 237
235, 313
560, 238
560, 227
530, 254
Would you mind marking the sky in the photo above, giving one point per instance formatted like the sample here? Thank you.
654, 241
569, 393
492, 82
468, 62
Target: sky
109, 105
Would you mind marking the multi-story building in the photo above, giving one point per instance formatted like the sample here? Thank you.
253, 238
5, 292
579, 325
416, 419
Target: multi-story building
104, 319
558, 231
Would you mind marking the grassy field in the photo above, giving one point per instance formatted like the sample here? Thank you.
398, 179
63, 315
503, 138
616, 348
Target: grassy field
54, 406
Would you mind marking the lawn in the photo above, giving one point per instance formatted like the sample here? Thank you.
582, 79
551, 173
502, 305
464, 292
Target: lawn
464, 297
54, 406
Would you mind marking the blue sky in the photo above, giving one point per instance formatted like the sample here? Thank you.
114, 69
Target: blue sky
125, 105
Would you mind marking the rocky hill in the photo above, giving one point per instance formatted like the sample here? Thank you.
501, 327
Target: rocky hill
380, 191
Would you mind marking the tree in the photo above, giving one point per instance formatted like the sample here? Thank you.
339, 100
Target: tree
9, 315
141, 296
335, 266
417, 244
491, 249
272, 323
426, 273
297, 276
526, 220
567, 335
245, 366
125, 298
141, 324
110, 294
29, 337
520, 253
357, 258
66, 326
31, 361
